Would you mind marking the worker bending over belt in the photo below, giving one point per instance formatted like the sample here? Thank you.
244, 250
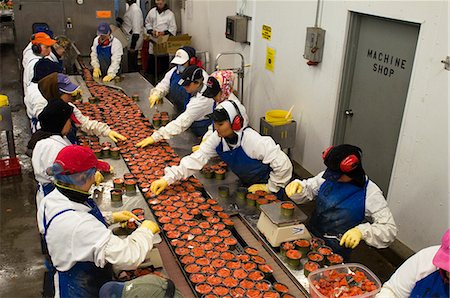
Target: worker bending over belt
80, 245
345, 196
256, 160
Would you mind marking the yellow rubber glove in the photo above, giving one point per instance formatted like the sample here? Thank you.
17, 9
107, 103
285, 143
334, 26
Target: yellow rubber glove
97, 73
195, 148
98, 178
151, 225
114, 135
145, 142
255, 187
351, 238
154, 99
77, 92
158, 186
293, 188
108, 78
123, 216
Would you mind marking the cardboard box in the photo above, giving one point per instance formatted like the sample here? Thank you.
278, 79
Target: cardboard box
169, 44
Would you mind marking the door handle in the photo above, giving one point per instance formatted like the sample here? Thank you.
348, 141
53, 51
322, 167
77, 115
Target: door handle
348, 113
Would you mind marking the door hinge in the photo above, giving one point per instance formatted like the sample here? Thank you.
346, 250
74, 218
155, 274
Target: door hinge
446, 63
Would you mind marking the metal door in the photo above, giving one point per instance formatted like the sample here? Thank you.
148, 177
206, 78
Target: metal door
378, 63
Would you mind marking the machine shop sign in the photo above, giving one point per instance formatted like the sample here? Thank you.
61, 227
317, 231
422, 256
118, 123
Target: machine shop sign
385, 63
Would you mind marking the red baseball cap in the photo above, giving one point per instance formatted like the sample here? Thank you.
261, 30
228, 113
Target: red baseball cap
43, 38
442, 257
76, 159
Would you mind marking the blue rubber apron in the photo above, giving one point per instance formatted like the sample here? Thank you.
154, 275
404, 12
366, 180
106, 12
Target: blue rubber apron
250, 171
177, 94
339, 207
104, 57
84, 279
432, 285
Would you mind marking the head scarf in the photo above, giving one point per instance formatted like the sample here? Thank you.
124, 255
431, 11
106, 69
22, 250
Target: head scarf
226, 82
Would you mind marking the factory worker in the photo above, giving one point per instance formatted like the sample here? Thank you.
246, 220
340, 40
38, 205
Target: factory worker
53, 62
195, 115
59, 49
80, 245
160, 21
184, 57
220, 87
27, 53
41, 47
132, 25
345, 197
59, 86
256, 160
106, 53
425, 274
46, 143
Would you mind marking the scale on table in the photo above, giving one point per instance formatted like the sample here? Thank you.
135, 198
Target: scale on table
278, 228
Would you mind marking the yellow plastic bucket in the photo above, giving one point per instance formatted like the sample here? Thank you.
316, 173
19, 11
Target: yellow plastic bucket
278, 117
3, 100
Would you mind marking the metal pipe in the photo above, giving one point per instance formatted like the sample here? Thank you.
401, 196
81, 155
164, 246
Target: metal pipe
239, 71
317, 13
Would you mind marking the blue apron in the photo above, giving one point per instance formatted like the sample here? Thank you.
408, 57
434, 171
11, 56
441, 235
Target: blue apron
104, 57
72, 135
250, 171
177, 94
47, 188
339, 207
84, 279
432, 285
34, 122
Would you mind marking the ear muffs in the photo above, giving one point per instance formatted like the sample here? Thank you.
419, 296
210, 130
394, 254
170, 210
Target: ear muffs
35, 47
238, 121
104, 43
348, 164
193, 61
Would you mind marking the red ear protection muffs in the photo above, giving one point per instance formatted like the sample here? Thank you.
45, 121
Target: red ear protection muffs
104, 42
35, 47
193, 61
238, 120
348, 164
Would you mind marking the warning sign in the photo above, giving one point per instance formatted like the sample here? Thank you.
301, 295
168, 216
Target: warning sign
266, 32
270, 59
103, 14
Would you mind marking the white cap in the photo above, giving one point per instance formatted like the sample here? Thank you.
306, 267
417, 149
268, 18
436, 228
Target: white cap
181, 57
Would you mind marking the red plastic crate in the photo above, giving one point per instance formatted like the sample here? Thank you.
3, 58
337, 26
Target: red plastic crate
9, 167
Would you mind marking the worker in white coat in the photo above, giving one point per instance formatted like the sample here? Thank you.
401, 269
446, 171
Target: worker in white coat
57, 86
27, 52
132, 25
46, 143
425, 274
195, 115
80, 245
106, 53
59, 49
259, 163
41, 47
184, 57
160, 21
345, 196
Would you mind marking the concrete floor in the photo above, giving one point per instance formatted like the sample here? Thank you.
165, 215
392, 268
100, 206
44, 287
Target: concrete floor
21, 262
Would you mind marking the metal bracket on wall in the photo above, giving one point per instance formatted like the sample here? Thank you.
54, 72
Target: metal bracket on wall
446, 63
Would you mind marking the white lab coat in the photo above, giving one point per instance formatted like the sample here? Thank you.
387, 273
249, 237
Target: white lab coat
133, 23
254, 145
52, 57
381, 232
196, 110
163, 87
27, 53
116, 56
28, 72
35, 103
44, 155
404, 279
160, 22
77, 236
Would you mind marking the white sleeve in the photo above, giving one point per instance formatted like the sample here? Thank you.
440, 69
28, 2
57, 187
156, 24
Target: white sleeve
94, 59
91, 127
404, 279
382, 231
116, 57
129, 253
172, 24
34, 101
163, 87
310, 187
194, 162
137, 21
266, 150
149, 20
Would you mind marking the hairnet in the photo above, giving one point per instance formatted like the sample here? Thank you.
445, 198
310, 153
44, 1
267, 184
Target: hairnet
78, 179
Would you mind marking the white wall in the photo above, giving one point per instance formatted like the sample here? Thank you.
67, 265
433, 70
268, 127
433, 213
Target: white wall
418, 193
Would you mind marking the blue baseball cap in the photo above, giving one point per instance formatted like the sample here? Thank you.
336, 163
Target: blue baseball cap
65, 85
103, 28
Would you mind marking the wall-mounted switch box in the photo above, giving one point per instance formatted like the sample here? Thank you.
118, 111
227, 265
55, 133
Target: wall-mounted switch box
236, 28
315, 38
